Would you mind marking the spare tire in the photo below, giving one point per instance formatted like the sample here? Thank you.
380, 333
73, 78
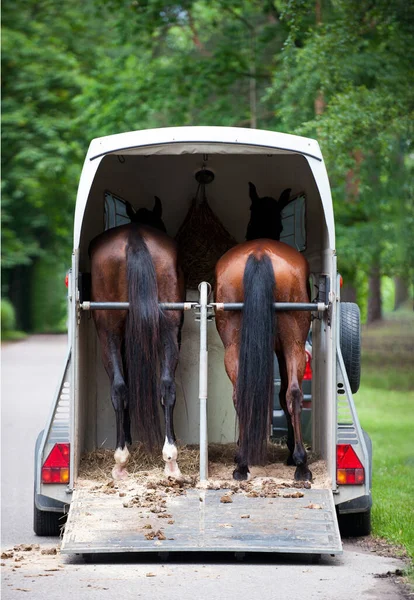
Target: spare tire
350, 342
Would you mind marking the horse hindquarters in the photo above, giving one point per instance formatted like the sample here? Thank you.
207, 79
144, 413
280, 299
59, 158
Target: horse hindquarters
151, 347
254, 384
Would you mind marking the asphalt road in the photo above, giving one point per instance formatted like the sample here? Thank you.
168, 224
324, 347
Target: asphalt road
30, 371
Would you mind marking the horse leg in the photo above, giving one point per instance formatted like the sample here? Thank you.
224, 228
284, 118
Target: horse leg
112, 359
228, 327
127, 425
290, 442
169, 360
231, 362
295, 363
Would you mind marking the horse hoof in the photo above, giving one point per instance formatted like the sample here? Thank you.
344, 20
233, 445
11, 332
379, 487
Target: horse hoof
238, 476
172, 470
119, 473
302, 473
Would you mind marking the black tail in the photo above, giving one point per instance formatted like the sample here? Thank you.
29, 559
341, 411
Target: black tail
255, 377
142, 341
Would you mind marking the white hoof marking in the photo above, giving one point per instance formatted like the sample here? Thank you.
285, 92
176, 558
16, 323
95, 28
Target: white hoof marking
121, 456
169, 451
169, 454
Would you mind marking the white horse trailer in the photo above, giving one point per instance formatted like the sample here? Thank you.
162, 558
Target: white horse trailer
135, 166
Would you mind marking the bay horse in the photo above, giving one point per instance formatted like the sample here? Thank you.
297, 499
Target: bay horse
259, 272
138, 263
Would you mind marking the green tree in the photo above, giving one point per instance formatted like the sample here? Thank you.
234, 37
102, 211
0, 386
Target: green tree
358, 57
43, 72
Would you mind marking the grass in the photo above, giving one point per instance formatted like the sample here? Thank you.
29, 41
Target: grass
13, 336
385, 405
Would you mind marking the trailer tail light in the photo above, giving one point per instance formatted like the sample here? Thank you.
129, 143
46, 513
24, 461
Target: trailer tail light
349, 469
56, 467
308, 369
67, 280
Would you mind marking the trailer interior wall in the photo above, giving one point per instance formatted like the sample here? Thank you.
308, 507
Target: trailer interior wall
137, 178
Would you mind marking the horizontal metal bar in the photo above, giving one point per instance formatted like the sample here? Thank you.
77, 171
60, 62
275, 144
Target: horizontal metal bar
125, 305
278, 306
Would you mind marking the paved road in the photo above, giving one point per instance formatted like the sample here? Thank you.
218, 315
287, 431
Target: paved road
30, 371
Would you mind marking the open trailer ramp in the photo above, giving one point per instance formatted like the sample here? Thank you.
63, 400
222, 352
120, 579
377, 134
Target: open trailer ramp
200, 521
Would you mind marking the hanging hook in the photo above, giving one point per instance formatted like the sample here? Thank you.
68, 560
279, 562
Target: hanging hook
204, 176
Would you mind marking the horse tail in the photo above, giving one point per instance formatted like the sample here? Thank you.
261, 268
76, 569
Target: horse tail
255, 376
143, 341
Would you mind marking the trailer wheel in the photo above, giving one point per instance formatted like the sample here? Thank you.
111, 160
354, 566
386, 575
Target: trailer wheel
47, 523
355, 524
350, 342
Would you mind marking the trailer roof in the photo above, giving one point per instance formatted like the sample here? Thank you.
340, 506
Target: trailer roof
203, 140
188, 139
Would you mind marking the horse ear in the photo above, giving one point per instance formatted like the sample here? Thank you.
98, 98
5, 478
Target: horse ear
157, 210
284, 199
253, 193
131, 212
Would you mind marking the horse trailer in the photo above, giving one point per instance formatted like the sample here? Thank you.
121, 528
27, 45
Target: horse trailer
134, 167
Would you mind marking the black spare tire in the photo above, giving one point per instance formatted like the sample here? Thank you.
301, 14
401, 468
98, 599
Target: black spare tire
350, 342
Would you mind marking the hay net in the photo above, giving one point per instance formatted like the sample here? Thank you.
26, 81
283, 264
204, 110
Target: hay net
202, 239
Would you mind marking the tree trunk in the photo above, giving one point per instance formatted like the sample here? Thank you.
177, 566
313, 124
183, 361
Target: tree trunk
20, 295
401, 291
348, 293
374, 296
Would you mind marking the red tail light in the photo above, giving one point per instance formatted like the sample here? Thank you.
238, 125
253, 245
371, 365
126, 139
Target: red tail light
308, 369
56, 467
67, 280
349, 469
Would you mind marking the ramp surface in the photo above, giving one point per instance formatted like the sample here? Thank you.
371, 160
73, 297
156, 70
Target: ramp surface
199, 521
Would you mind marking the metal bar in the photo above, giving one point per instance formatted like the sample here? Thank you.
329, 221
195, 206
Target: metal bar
125, 305
203, 287
278, 306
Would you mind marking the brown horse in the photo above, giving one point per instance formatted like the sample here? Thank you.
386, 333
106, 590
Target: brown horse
259, 272
138, 263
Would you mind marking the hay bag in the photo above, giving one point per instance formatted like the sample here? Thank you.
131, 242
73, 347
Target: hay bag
202, 240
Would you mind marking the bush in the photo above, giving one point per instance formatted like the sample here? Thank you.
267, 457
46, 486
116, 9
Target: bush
8, 317
48, 301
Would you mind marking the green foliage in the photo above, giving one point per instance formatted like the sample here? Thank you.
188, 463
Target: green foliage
195, 63
388, 294
45, 62
337, 70
357, 61
49, 307
8, 317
